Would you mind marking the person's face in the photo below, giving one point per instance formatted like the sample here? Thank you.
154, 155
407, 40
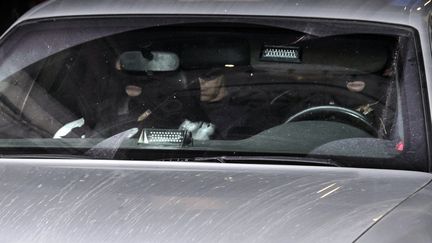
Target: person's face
211, 88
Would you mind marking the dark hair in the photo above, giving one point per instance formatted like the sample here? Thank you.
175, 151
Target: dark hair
212, 73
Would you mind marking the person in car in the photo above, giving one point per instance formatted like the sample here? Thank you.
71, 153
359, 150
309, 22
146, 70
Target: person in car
212, 86
234, 110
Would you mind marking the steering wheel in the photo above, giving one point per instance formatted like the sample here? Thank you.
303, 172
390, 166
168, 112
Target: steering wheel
335, 113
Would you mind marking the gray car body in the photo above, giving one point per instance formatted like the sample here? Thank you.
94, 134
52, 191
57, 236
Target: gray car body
118, 201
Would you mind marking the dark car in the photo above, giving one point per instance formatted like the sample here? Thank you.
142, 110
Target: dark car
216, 121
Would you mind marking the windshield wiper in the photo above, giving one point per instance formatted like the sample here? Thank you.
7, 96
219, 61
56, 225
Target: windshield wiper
261, 160
44, 156
282, 160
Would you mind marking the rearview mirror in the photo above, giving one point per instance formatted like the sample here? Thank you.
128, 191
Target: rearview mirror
134, 61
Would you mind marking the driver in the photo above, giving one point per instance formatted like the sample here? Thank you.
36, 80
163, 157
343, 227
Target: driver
229, 108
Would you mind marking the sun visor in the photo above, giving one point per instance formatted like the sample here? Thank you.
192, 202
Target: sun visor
353, 54
334, 54
211, 54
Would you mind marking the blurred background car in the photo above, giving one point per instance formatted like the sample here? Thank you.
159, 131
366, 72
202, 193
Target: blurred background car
12, 10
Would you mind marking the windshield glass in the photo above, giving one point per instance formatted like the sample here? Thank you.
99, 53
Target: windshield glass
206, 87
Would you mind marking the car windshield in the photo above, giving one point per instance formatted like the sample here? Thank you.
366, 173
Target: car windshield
161, 88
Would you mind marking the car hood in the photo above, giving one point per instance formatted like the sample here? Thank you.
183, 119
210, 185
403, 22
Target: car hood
120, 201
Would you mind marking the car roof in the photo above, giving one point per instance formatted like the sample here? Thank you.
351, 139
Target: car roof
407, 12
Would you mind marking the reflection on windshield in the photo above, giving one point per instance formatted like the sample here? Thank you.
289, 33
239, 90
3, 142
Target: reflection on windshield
226, 89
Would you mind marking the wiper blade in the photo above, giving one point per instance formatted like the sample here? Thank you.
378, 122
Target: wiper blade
44, 156
261, 159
